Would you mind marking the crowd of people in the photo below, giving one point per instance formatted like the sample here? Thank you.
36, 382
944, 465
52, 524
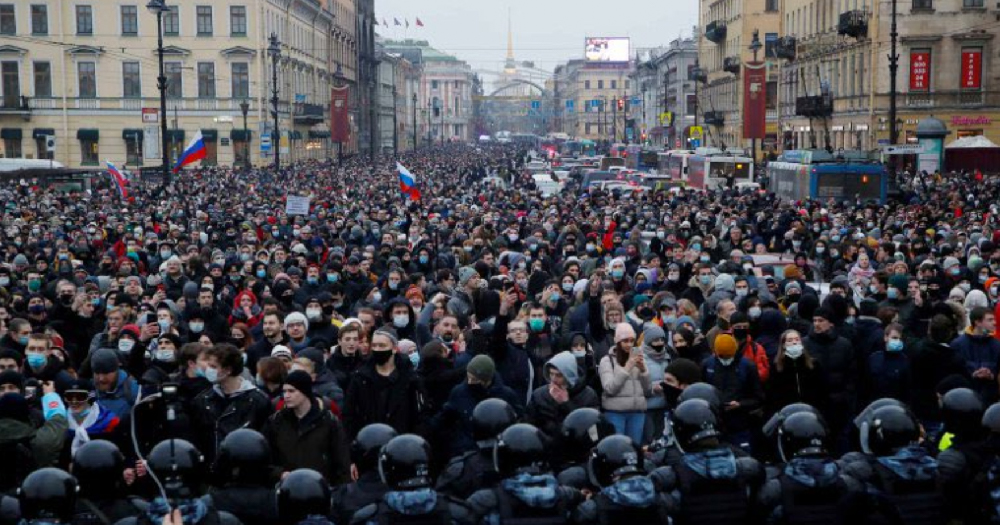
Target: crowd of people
486, 354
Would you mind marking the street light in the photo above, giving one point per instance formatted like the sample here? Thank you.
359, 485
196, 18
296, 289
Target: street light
414, 122
245, 108
338, 82
158, 7
755, 48
274, 50
395, 125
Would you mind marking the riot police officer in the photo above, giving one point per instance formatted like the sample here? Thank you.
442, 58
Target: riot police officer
473, 470
181, 469
810, 486
244, 470
367, 487
963, 451
404, 466
304, 499
714, 484
98, 467
581, 431
627, 494
771, 428
48, 496
529, 492
986, 486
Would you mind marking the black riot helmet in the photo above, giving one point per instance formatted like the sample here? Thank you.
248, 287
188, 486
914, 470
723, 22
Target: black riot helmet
490, 418
179, 465
694, 420
303, 493
802, 434
48, 494
520, 448
704, 391
991, 418
369, 442
891, 428
771, 427
98, 467
582, 430
245, 456
615, 457
404, 463
863, 421
962, 412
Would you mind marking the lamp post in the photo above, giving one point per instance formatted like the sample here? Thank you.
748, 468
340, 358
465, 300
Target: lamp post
414, 122
274, 50
245, 108
755, 48
395, 124
158, 7
338, 82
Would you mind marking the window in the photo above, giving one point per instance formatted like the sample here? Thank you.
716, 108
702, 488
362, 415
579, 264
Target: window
771, 99
206, 80
241, 80
771, 5
87, 79
133, 149
43, 80
614, 84
88, 151
627, 84
130, 20
434, 84
131, 83
586, 84
204, 20
39, 19
8, 22
972, 3
691, 107
600, 84
84, 20
11, 84
172, 70
587, 127
238, 20
690, 71
923, 4
770, 45
172, 21
12, 148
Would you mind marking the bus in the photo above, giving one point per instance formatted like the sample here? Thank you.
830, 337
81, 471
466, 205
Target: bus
526, 140
579, 148
712, 169
819, 175
674, 163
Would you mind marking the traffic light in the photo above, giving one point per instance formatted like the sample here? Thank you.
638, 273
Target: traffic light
621, 104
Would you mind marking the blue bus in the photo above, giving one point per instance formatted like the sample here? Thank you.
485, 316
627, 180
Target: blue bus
821, 175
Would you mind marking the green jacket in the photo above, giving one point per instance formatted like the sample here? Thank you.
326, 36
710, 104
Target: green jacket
46, 442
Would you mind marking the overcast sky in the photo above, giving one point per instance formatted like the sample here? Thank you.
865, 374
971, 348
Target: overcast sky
547, 32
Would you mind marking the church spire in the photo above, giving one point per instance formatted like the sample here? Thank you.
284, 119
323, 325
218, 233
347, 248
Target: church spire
510, 65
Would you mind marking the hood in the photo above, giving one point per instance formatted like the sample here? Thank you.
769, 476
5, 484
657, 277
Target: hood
637, 491
248, 293
713, 464
566, 364
245, 386
912, 464
387, 318
813, 472
12, 430
535, 491
772, 322
412, 503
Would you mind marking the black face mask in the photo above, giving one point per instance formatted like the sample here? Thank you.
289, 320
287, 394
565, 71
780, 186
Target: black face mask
381, 357
671, 394
740, 333
478, 390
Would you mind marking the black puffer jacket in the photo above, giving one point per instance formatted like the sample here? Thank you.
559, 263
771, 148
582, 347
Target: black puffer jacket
395, 400
837, 359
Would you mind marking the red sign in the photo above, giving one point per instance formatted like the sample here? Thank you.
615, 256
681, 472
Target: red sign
920, 70
972, 68
754, 100
340, 115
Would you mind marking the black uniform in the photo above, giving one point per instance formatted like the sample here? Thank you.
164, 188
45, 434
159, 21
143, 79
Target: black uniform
252, 504
468, 473
352, 497
715, 486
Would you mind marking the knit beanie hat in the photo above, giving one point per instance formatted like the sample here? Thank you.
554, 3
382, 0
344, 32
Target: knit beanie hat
652, 333
686, 371
104, 361
899, 282
482, 368
301, 381
725, 346
465, 273
624, 331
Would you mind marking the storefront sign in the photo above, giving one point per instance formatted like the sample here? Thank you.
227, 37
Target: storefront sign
970, 121
920, 70
972, 68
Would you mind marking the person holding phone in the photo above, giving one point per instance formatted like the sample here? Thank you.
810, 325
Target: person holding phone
626, 384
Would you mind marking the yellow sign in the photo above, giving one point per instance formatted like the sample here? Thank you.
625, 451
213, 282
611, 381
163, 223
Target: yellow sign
667, 118
696, 132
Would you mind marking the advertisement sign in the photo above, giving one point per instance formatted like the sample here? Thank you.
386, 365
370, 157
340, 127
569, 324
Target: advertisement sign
150, 115
920, 70
265, 143
930, 158
284, 142
607, 49
754, 100
150, 141
972, 68
339, 114
296, 205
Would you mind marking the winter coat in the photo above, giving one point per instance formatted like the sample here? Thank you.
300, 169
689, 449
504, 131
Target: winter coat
325, 385
215, 414
239, 316
737, 382
46, 442
624, 390
395, 400
795, 383
543, 410
931, 363
756, 354
840, 364
889, 375
317, 441
121, 399
438, 375
980, 351
455, 419
657, 367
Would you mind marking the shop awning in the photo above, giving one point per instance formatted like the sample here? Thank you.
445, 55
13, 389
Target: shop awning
88, 134
10, 133
296, 135
132, 134
211, 135
319, 134
241, 134
41, 132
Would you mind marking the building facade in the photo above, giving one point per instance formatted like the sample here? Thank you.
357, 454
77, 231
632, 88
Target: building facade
396, 87
345, 57
664, 84
592, 98
90, 87
367, 78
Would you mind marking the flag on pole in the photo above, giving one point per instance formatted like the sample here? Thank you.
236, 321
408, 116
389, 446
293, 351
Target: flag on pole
384, 23
396, 20
408, 183
195, 151
419, 23
375, 21
118, 179
407, 20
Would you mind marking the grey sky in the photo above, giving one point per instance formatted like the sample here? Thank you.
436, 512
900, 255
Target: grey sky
547, 32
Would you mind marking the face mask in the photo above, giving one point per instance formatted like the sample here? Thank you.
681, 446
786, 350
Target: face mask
696, 247
671, 393
126, 345
196, 327
567, 287
894, 345
740, 333
483, 284
314, 314
617, 273
742, 292
468, 249
513, 237
393, 285
965, 287
892, 293
820, 249
261, 274
793, 351
994, 291
381, 357
579, 354
165, 356
726, 361
591, 248
36, 308
415, 358
400, 321
164, 254
536, 325
36, 361
164, 326
555, 296
4, 281
423, 259
705, 280
668, 320
754, 312
331, 277
661, 235
211, 374
873, 288
982, 279
96, 301
704, 258
23, 340
657, 349
377, 297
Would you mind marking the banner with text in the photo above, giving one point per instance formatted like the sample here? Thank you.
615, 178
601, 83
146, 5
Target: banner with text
340, 114
972, 68
754, 100
920, 70
296, 205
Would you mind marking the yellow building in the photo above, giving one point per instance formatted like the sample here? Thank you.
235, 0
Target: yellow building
84, 71
587, 95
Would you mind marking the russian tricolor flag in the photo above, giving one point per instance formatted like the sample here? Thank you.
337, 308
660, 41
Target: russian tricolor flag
120, 181
408, 183
194, 152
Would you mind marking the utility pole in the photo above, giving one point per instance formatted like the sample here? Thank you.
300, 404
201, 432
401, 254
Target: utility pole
395, 125
158, 7
755, 46
893, 68
274, 49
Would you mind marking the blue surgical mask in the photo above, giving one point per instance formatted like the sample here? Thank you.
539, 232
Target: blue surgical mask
705, 280
23, 340
556, 296
36, 360
261, 274
894, 345
536, 325
164, 325
312, 280
617, 273
332, 277
209, 373
415, 358
892, 293
423, 259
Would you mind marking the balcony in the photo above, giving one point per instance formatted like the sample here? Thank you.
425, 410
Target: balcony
309, 113
731, 65
132, 104
88, 103
15, 105
814, 106
715, 118
951, 99
699, 75
207, 104
785, 48
853, 24
715, 31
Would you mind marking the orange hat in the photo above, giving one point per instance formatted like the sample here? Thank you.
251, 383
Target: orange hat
725, 346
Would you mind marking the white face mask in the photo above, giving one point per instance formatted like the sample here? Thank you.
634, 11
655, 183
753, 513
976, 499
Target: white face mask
126, 345
400, 321
793, 351
314, 314
754, 312
196, 327
166, 356
727, 360
742, 292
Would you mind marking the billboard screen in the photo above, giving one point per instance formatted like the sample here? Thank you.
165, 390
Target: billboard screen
607, 49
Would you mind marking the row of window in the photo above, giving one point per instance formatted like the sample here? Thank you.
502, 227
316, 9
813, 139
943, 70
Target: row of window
131, 79
129, 20
600, 84
929, 4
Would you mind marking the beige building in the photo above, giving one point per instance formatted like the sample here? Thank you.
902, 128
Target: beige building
724, 45
586, 98
91, 92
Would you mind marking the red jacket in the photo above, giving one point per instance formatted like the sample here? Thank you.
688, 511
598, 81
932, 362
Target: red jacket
756, 354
